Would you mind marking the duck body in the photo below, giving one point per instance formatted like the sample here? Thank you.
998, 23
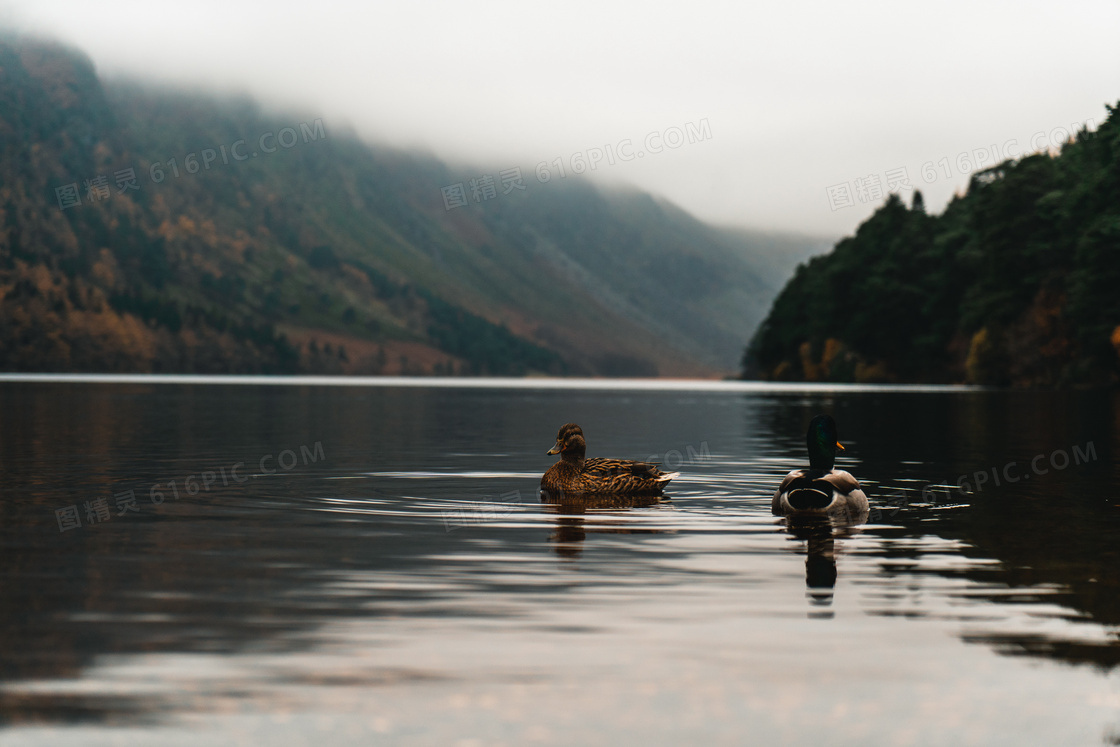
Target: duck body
605, 476
820, 489
575, 474
806, 491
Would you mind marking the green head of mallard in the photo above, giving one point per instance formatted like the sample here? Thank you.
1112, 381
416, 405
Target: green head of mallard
822, 442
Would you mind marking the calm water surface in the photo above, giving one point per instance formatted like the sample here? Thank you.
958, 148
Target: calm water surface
373, 565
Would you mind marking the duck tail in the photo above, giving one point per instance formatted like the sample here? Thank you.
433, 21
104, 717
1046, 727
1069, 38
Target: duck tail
808, 498
666, 477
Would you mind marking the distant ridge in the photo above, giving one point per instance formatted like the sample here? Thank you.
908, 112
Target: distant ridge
147, 231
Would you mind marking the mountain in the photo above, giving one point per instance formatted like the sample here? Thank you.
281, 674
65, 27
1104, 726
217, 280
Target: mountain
152, 230
1016, 283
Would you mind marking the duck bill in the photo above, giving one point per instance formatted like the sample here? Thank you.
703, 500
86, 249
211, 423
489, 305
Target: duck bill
554, 450
840, 446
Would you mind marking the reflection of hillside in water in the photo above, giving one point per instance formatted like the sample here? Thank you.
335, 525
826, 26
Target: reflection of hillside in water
1054, 535
265, 566
1056, 545
231, 570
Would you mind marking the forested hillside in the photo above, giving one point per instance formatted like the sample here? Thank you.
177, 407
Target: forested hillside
1016, 283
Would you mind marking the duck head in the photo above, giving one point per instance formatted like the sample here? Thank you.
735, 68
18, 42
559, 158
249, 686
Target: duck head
562, 435
570, 444
822, 443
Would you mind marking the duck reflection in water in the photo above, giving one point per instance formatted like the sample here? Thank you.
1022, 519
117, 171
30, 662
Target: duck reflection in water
820, 534
821, 504
573, 521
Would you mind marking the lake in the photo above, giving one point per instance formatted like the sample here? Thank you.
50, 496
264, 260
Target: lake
306, 563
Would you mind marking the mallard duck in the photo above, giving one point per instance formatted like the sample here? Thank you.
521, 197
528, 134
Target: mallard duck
820, 489
576, 474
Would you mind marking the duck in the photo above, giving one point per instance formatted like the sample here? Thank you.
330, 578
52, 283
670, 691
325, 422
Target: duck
821, 489
575, 474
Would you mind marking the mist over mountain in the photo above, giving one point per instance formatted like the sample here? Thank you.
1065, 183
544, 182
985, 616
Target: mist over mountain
153, 230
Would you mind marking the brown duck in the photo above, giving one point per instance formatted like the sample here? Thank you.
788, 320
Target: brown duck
574, 473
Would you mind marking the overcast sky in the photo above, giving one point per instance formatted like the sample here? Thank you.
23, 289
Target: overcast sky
785, 100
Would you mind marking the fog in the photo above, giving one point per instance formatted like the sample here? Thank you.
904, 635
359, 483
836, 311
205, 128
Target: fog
772, 108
